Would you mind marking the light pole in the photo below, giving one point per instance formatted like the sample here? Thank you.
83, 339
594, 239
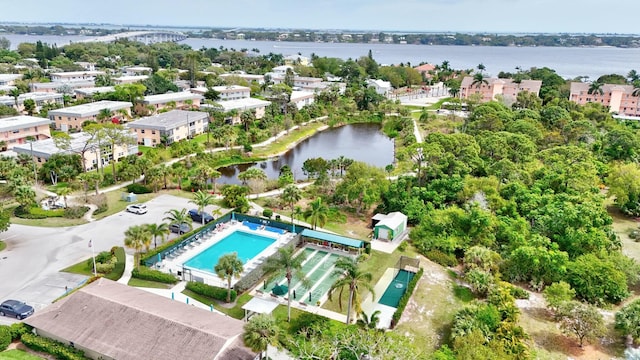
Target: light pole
35, 172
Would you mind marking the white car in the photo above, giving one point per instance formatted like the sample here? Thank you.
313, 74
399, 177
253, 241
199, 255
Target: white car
137, 209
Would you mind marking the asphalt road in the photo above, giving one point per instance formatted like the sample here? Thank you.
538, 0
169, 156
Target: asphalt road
30, 265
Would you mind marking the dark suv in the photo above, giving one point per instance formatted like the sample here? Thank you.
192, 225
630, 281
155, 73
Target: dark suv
180, 228
16, 309
197, 216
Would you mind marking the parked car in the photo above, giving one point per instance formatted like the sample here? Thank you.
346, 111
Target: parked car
180, 228
16, 309
137, 208
197, 216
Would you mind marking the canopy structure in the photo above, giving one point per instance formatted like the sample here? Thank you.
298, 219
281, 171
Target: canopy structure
258, 306
332, 238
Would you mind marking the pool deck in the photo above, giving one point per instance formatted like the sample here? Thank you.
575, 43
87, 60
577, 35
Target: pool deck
369, 305
175, 263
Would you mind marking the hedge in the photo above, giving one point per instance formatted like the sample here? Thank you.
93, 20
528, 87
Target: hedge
118, 270
18, 329
145, 273
213, 292
138, 189
442, 258
404, 300
55, 348
75, 212
5, 337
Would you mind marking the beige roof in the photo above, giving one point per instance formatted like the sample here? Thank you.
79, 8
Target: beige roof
577, 87
123, 322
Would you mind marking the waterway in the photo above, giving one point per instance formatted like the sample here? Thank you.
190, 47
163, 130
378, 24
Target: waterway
360, 142
568, 62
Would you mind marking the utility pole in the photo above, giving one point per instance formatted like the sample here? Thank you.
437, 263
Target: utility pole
35, 171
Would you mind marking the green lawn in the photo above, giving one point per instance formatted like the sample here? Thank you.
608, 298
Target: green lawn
84, 268
18, 355
48, 222
116, 205
235, 311
3, 245
286, 142
148, 284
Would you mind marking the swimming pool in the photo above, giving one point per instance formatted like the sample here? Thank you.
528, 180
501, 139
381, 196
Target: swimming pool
254, 226
247, 245
396, 289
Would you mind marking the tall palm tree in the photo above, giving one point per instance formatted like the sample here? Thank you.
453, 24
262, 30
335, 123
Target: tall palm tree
175, 216
479, 80
285, 263
179, 172
595, 88
260, 332
15, 94
104, 116
160, 230
633, 76
229, 266
352, 279
317, 213
137, 237
291, 195
202, 199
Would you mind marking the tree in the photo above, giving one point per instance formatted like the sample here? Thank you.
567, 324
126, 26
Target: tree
595, 88
24, 195
581, 320
353, 279
160, 230
177, 217
624, 186
137, 237
557, 294
235, 197
202, 199
104, 116
597, 280
286, 263
64, 192
369, 322
628, 320
479, 80
116, 135
291, 195
229, 266
260, 332
317, 213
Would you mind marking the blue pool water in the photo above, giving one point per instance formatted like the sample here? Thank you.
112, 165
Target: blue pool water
396, 289
254, 226
247, 246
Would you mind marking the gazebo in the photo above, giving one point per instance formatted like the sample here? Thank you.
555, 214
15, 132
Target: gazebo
258, 306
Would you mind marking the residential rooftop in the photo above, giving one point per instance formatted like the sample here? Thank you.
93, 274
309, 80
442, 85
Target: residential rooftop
21, 122
95, 90
243, 104
168, 120
90, 109
165, 98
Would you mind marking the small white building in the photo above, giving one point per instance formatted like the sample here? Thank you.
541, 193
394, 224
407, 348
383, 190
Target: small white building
137, 70
382, 87
90, 92
389, 227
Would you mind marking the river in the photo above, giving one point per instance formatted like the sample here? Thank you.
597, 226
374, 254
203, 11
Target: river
568, 62
361, 142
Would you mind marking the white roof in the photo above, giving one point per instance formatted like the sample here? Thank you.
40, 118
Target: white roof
392, 220
77, 73
94, 90
164, 98
131, 78
169, 120
260, 306
10, 77
243, 104
46, 148
90, 109
299, 95
21, 122
379, 83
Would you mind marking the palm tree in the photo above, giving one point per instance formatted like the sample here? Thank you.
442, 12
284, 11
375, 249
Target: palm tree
202, 199
64, 191
479, 80
175, 216
15, 94
160, 230
285, 263
229, 266
353, 279
136, 237
104, 115
316, 213
633, 76
291, 195
366, 322
260, 332
481, 67
179, 172
595, 88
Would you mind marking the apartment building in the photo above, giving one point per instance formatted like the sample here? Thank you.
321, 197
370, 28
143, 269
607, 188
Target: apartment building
39, 98
231, 92
61, 87
18, 130
71, 76
71, 118
90, 92
174, 125
493, 87
179, 100
302, 98
619, 98
9, 79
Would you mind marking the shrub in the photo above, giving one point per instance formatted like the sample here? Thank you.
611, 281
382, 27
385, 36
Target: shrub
138, 189
519, 293
307, 321
403, 246
404, 300
268, 213
41, 213
105, 268
118, 270
210, 291
442, 258
19, 328
75, 212
145, 273
49, 346
5, 337
100, 201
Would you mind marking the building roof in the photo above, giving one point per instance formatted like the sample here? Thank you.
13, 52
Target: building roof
57, 85
90, 109
130, 78
260, 306
46, 148
124, 322
168, 120
337, 239
21, 122
95, 90
165, 98
379, 83
10, 77
77, 73
577, 87
301, 95
35, 96
243, 104
425, 68
391, 220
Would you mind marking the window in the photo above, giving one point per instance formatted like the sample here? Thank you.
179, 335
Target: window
39, 160
153, 132
16, 131
142, 131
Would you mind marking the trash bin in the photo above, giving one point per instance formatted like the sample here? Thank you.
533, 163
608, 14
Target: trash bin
277, 217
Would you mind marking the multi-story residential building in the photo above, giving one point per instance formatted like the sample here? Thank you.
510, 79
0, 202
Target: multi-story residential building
282, 69
619, 98
81, 144
241, 105
231, 92
61, 87
169, 127
242, 75
90, 92
71, 76
493, 87
179, 100
9, 79
137, 70
88, 66
18, 130
39, 98
71, 118
129, 79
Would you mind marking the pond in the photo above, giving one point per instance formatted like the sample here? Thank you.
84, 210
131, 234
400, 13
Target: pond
360, 142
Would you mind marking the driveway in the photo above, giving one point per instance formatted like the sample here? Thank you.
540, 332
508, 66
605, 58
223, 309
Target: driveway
30, 265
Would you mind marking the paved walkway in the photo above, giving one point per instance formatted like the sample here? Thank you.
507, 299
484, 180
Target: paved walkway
128, 268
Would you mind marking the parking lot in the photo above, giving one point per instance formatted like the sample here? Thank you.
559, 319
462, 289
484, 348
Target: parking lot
30, 266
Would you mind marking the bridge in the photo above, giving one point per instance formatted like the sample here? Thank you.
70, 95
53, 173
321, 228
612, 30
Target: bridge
146, 37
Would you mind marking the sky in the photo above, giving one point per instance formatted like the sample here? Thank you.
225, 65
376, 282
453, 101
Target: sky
493, 16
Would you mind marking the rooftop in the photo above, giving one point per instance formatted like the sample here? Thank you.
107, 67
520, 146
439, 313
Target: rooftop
21, 122
243, 104
76, 73
165, 98
91, 108
95, 90
169, 120
337, 239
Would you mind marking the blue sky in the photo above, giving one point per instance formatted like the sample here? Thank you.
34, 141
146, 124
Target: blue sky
575, 16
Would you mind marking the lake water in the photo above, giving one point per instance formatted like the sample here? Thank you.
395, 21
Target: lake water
361, 142
568, 62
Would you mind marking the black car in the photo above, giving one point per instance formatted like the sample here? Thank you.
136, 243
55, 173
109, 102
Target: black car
180, 229
16, 309
197, 216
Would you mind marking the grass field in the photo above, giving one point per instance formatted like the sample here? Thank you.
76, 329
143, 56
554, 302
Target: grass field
148, 284
116, 205
17, 355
